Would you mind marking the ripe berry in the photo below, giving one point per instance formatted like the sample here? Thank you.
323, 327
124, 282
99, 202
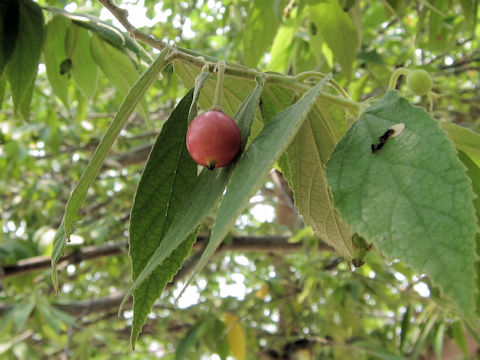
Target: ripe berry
419, 82
213, 139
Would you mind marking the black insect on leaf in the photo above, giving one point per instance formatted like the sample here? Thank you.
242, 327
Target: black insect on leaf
65, 66
395, 130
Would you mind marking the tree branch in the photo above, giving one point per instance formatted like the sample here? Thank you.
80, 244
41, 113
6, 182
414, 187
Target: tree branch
239, 243
122, 16
197, 59
272, 244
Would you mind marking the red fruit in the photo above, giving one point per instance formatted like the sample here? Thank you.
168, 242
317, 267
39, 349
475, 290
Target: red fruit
213, 139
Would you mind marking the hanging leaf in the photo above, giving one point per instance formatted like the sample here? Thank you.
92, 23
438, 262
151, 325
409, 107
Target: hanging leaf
55, 56
260, 30
459, 336
411, 198
205, 194
464, 139
84, 70
106, 31
310, 149
23, 64
21, 313
78, 194
282, 46
168, 176
188, 343
236, 337
117, 67
9, 24
439, 35
255, 164
3, 87
338, 31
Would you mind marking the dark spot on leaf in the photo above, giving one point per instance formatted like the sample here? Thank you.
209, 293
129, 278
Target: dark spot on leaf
65, 66
382, 140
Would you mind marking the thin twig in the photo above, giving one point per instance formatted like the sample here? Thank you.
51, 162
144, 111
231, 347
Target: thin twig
231, 69
122, 16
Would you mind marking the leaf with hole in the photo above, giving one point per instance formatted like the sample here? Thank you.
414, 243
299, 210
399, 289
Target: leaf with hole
412, 198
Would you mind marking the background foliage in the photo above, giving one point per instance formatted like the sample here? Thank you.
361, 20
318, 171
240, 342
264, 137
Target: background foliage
274, 287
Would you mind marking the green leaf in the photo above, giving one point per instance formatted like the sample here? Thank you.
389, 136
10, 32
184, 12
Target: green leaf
439, 340
190, 340
473, 172
117, 67
84, 69
260, 30
255, 164
459, 336
275, 99
26, 100
310, 149
464, 139
215, 338
412, 198
338, 31
468, 9
3, 87
21, 313
166, 179
106, 31
78, 195
54, 51
439, 36
9, 24
280, 53
49, 318
377, 350
205, 194
22, 67
405, 327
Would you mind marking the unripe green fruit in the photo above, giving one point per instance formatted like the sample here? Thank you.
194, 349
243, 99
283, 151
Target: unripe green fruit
213, 139
419, 82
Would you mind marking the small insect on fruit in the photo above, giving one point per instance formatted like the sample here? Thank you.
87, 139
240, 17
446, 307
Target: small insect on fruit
394, 131
213, 139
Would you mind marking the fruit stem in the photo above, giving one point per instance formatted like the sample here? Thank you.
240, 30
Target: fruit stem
220, 67
395, 75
